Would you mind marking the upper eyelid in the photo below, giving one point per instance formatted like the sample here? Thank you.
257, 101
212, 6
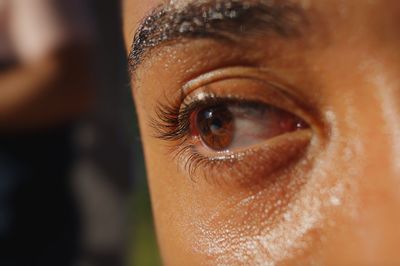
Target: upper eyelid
258, 74
267, 76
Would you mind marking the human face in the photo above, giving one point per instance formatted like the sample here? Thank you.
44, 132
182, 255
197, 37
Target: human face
270, 129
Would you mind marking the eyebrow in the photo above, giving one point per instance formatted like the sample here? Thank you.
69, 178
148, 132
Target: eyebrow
221, 20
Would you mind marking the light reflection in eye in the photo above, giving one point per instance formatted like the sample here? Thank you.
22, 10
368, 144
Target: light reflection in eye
235, 125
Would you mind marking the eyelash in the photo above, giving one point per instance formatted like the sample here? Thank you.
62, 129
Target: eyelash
175, 119
173, 124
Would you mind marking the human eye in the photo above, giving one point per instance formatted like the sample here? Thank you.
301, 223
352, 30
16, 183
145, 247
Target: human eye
239, 129
224, 125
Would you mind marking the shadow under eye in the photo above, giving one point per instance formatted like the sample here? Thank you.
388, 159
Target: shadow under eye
258, 165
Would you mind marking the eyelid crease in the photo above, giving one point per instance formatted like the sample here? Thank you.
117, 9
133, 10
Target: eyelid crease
259, 74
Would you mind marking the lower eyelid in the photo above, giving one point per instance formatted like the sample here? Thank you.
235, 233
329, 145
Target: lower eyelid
251, 166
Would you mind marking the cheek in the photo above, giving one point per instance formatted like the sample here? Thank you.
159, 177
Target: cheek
288, 218
283, 218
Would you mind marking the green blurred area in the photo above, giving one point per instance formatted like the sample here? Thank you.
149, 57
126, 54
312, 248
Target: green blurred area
143, 249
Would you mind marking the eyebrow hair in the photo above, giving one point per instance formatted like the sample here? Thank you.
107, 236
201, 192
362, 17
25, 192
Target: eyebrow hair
222, 20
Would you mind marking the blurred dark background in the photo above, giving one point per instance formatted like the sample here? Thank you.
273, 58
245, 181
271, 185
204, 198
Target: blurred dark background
75, 193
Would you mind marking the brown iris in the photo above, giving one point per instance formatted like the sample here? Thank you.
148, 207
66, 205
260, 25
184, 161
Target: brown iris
216, 127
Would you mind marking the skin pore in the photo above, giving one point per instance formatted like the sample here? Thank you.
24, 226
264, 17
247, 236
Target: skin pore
264, 193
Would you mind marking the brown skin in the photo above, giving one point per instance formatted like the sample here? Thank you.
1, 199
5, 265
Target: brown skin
337, 203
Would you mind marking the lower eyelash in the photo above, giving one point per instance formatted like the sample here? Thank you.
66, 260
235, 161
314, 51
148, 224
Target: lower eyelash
200, 166
251, 167
190, 160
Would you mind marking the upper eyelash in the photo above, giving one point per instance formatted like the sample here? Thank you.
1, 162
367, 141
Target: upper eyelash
172, 121
168, 123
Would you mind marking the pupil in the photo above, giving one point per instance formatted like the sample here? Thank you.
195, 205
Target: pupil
216, 127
